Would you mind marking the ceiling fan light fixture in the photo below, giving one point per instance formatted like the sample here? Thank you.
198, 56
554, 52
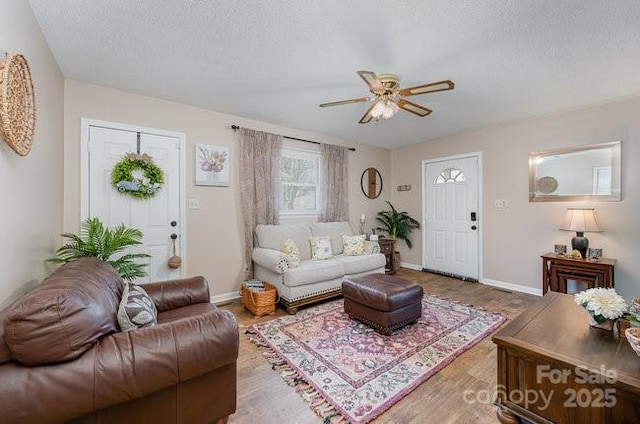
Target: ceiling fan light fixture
389, 97
384, 109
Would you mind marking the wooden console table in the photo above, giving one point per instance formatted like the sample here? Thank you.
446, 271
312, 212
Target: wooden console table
554, 368
556, 270
387, 247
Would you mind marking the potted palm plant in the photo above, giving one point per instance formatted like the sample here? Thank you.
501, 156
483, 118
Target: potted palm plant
94, 240
398, 226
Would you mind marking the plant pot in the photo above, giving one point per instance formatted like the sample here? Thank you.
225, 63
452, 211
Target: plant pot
396, 261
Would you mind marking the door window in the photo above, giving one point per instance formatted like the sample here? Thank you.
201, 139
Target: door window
450, 175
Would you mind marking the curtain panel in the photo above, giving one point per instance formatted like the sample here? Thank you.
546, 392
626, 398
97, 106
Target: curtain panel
334, 187
260, 154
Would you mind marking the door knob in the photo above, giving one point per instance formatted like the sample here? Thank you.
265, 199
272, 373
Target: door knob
473, 227
173, 236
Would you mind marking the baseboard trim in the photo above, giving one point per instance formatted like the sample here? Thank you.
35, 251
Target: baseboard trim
411, 266
488, 282
511, 286
225, 297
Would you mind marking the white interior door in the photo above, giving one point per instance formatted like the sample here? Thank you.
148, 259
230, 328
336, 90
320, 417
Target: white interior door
451, 220
158, 217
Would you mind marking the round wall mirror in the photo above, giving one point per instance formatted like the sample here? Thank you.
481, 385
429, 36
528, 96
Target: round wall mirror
371, 183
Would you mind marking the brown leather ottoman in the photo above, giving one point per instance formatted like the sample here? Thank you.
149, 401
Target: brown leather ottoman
382, 301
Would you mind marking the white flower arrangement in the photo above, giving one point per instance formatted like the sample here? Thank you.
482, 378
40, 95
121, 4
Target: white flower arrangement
602, 303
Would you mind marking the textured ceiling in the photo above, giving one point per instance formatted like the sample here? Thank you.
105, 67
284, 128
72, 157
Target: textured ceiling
277, 60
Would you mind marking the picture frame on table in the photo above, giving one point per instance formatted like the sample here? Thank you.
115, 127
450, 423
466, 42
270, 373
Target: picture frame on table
560, 249
594, 253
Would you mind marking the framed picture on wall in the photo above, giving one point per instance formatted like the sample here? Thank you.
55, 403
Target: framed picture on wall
212, 165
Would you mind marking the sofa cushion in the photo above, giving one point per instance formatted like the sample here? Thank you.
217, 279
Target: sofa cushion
273, 236
310, 272
136, 309
320, 248
290, 248
335, 230
353, 245
357, 264
68, 313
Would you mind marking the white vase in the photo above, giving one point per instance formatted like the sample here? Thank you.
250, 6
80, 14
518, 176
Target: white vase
213, 177
606, 325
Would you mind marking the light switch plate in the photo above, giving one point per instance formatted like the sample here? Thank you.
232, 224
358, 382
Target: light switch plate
501, 203
194, 204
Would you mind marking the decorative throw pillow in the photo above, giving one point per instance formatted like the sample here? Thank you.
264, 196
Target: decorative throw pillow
290, 249
320, 248
136, 308
353, 245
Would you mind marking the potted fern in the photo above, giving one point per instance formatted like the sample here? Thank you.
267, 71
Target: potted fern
398, 226
94, 240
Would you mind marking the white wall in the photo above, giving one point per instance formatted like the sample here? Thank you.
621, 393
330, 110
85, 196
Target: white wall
31, 187
214, 233
515, 238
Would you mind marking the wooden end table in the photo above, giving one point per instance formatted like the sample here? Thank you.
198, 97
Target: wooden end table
554, 368
557, 269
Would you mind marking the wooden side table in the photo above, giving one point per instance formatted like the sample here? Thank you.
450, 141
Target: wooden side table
387, 247
554, 368
556, 270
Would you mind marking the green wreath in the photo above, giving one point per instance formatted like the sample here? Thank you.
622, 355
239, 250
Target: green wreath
137, 176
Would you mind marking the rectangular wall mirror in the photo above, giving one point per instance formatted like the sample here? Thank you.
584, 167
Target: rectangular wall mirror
578, 173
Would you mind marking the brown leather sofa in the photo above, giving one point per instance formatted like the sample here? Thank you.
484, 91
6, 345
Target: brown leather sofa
63, 358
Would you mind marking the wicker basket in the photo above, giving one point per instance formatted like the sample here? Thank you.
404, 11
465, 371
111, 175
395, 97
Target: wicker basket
260, 302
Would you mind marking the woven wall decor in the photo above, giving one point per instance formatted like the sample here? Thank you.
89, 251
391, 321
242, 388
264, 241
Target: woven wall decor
17, 104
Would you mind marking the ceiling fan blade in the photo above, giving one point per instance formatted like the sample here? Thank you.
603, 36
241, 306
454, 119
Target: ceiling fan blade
371, 79
413, 108
427, 88
346, 102
366, 118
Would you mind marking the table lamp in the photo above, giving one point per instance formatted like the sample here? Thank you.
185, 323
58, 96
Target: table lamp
580, 220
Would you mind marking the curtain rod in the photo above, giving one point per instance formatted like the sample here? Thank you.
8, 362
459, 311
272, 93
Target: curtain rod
235, 127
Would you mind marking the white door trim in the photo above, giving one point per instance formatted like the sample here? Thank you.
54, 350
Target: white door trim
85, 124
425, 162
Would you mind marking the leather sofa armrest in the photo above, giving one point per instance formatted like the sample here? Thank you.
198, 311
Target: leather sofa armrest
175, 294
121, 367
167, 353
371, 247
271, 259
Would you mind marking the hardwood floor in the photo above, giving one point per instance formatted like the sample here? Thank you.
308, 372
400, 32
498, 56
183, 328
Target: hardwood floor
263, 397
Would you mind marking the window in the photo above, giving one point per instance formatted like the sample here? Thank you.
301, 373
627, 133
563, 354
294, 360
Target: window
450, 175
299, 180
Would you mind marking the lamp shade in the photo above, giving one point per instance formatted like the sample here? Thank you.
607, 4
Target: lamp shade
581, 221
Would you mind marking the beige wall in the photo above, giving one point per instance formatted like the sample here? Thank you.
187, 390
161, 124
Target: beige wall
515, 238
31, 186
213, 232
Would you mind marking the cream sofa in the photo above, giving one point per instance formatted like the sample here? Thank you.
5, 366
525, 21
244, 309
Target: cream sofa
312, 280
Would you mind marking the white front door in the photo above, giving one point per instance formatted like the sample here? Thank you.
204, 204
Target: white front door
451, 216
158, 217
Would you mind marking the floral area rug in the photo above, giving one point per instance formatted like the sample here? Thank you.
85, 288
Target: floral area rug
350, 373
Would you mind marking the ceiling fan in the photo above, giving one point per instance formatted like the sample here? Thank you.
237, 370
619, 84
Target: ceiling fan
388, 96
